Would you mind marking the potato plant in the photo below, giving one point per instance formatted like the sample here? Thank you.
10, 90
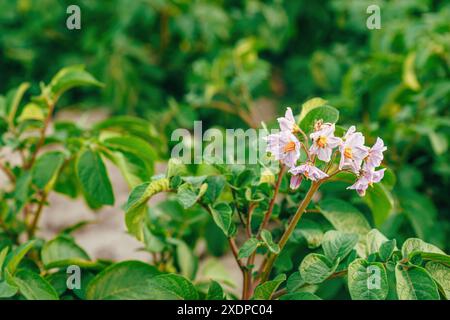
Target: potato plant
283, 221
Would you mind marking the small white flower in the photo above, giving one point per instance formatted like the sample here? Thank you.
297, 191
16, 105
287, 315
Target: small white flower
352, 150
367, 178
375, 155
285, 147
287, 123
324, 142
309, 171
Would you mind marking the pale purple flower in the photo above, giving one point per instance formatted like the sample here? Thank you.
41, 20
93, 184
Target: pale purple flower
285, 147
367, 178
296, 180
375, 155
309, 171
287, 123
352, 150
324, 142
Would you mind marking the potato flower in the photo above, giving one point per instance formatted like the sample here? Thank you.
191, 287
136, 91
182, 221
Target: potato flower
285, 147
324, 142
366, 179
287, 123
375, 155
352, 150
309, 171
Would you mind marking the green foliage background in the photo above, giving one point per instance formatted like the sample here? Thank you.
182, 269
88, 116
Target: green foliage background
171, 62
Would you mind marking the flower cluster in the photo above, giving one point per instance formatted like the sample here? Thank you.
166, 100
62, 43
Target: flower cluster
355, 157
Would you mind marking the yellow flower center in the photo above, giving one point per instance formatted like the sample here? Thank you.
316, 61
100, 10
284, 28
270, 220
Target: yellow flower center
290, 146
322, 141
348, 153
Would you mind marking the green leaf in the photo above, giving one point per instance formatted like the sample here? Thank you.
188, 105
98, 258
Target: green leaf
265, 290
248, 248
310, 104
441, 274
175, 167
387, 249
367, 280
86, 278
58, 281
22, 190
215, 291
222, 215
142, 193
93, 178
33, 287
324, 112
133, 168
374, 240
70, 77
337, 244
380, 201
127, 125
134, 157
186, 259
171, 287
63, 251
295, 282
431, 256
266, 236
344, 217
215, 187
316, 268
31, 111
16, 256
186, 196
67, 181
136, 208
13, 101
409, 74
132, 144
438, 142
7, 290
300, 296
46, 168
3, 255
127, 280
420, 211
311, 231
415, 283
414, 244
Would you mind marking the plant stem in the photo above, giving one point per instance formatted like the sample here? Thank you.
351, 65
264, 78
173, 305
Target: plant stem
251, 207
8, 172
246, 276
247, 284
286, 235
37, 215
272, 202
234, 249
51, 107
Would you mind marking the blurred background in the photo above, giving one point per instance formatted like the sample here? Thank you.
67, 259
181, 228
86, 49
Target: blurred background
235, 63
